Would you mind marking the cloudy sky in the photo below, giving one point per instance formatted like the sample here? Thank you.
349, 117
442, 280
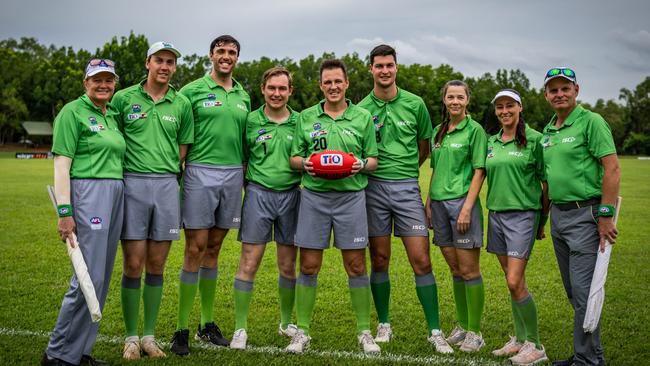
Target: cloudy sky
606, 42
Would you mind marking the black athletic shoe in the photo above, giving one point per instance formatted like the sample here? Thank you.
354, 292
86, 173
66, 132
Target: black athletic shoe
567, 362
91, 361
211, 334
46, 361
181, 342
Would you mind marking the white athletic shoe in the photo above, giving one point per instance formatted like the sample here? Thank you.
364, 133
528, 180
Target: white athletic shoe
131, 348
151, 348
457, 336
439, 342
299, 342
384, 333
368, 343
239, 339
473, 342
529, 355
289, 331
512, 347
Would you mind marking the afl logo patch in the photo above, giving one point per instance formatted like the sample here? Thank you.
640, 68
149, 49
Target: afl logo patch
261, 131
136, 108
96, 223
93, 120
317, 126
212, 96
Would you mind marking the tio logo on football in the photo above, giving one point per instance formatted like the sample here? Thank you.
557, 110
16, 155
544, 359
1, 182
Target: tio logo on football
331, 160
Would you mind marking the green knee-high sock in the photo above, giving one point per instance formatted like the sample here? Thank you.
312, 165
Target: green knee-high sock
243, 296
427, 290
207, 289
130, 292
380, 287
520, 326
475, 293
287, 293
305, 299
360, 298
528, 310
151, 298
460, 298
186, 293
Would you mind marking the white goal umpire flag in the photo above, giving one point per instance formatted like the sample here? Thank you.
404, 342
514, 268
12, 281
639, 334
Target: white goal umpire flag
81, 271
597, 290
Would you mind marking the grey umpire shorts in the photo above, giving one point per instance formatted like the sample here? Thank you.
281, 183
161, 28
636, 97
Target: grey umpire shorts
151, 207
212, 196
512, 233
322, 212
395, 203
444, 216
267, 211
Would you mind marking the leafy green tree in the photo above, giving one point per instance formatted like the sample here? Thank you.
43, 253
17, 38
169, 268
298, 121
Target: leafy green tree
129, 54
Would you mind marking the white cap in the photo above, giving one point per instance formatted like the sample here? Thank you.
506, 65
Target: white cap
97, 65
162, 46
507, 93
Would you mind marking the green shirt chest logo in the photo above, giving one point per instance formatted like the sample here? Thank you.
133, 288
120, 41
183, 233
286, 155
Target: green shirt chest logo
94, 127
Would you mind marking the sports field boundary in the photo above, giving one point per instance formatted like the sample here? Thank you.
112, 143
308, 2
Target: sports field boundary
384, 357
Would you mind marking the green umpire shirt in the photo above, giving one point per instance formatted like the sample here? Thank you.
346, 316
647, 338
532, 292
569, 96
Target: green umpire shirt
219, 122
514, 174
454, 160
153, 130
90, 138
399, 124
572, 155
351, 132
269, 147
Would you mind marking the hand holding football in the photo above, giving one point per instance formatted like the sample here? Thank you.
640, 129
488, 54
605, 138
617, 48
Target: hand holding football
332, 164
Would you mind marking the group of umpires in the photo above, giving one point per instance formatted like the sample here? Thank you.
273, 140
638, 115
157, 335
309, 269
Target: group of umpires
116, 167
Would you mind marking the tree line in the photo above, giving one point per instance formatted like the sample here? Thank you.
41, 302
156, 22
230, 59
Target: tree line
37, 80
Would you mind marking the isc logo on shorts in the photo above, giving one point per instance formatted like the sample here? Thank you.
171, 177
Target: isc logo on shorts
419, 227
463, 241
360, 240
331, 160
513, 253
174, 231
236, 219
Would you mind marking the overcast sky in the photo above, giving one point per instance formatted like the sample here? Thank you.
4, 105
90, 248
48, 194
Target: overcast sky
606, 42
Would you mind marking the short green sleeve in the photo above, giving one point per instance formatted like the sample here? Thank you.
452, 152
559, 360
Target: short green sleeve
478, 144
66, 133
425, 130
600, 141
299, 144
186, 132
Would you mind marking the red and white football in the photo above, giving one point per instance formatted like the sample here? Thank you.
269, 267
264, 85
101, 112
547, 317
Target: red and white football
332, 164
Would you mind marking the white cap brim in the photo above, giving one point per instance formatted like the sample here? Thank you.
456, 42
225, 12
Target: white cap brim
97, 70
507, 93
163, 46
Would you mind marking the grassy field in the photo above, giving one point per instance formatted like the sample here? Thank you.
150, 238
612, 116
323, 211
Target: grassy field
34, 274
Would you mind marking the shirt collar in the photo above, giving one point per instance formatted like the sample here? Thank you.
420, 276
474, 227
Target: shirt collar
573, 116
345, 115
212, 84
169, 95
380, 102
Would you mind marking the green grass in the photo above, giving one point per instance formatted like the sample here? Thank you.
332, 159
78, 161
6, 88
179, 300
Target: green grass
35, 271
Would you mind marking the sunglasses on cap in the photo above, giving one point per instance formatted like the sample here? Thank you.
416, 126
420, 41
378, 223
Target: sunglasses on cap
101, 62
564, 72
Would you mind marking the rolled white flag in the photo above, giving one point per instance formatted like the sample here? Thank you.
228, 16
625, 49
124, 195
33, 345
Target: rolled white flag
597, 289
81, 271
